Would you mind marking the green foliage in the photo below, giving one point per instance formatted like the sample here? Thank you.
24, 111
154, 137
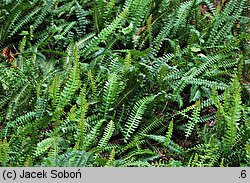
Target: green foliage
124, 83
169, 133
4, 152
136, 116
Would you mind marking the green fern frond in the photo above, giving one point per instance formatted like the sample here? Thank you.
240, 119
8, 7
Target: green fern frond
54, 90
181, 16
225, 21
24, 21
151, 126
158, 138
136, 142
4, 152
165, 31
93, 86
44, 145
92, 137
74, 158
83, 105
46, 8
108, 132
138, 10
103, 35
194, 120
169, 133
207, 83
71, 86
136, 116
139, 154
112, 88
19, 123
111, 161
81, 16
229, 113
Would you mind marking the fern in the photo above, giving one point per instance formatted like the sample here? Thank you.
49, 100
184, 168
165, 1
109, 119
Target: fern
136, 116
19, 123
226, 20
43, 146
82, 102
93, 135
108, 132
72, 158
194, 120
71, 86
4, 152
133, 83
151, 126
54, 90
112, 89
169, 133
102, 36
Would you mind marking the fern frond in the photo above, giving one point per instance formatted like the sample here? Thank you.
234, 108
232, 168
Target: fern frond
74, 158
112, 88
46, 8
4, 152
71, 86
54, 90
111, 161
81, 16
158, 138
19, 123
151, 126
24, 21
169, 133
136, 116
91, 138
83, 105
108, 132
194, 120
103, 35
44, 145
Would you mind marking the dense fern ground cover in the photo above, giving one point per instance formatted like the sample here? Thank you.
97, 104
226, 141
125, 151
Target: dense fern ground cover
124, 83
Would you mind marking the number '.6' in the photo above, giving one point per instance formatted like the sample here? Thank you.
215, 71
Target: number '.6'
243, 174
